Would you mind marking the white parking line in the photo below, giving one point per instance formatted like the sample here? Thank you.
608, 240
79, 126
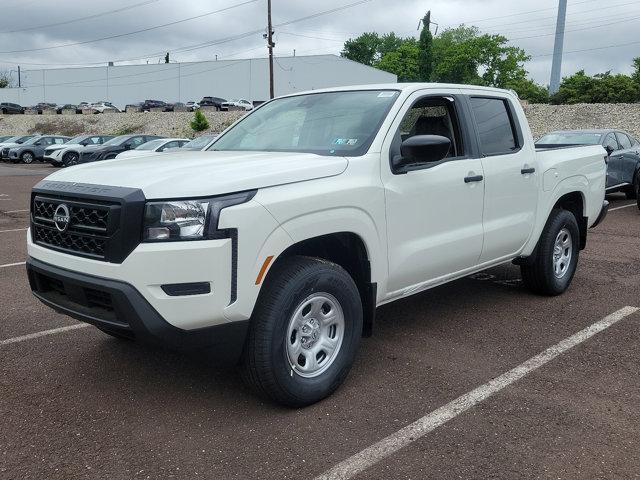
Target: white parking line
15, 211
387, 446
14, 230
44, 333
624, 206
12, 264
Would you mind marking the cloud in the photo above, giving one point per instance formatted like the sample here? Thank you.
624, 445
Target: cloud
588, 27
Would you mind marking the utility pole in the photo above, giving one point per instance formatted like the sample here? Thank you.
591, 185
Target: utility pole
270, 45
19, 81
556, 66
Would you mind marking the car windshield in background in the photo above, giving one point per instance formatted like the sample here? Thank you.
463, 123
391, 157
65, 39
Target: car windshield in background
152, 145
332, 123
31, 141
571, 138
117, 140
199, 142
77, 139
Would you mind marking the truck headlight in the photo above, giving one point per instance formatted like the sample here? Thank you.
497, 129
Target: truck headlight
196, 219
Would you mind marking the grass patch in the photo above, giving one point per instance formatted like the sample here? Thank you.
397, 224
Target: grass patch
57, 127
128, 129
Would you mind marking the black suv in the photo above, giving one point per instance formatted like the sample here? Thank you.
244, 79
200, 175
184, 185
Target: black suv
212, 102
113, 147
147, 105
10, 108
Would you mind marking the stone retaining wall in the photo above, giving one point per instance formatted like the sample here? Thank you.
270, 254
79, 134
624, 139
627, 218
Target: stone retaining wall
542, 118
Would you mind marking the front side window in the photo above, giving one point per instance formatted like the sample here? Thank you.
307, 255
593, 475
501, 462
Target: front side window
332, 123
623, 140
431, 116
610, 142
495, 129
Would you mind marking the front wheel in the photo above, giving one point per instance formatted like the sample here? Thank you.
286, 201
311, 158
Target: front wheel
557, 255
636, 188
305, 332
27, 157
70, 159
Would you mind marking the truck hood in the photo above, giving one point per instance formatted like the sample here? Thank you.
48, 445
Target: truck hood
200, 174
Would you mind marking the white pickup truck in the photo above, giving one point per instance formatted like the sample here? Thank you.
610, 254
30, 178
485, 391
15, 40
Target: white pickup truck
274, 248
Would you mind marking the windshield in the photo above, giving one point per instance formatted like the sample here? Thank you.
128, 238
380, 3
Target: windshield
77, 139
199, 142
32, 140
333, 123
117, 140
574, 138
12, 139
152, 145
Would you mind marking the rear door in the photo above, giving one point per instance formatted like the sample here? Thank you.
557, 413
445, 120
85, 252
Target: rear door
511, 179
629, 158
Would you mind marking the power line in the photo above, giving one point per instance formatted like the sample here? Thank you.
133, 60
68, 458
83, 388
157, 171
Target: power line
577, 29
75, 20
589, 49
109, 37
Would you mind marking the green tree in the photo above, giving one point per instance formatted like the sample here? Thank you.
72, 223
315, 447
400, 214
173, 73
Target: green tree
600, 88
199, 122
5, 80
529, 90
425, 58
636, 71
369, 48
403, 62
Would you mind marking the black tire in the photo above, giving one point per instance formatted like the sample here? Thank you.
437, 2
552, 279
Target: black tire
27, 158
70, 159
636, 188
539, 276
4, 111
265, 365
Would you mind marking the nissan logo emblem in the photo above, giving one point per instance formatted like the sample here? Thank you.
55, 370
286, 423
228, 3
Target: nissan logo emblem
61, 217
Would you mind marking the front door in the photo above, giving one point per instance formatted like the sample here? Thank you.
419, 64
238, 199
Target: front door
434, 211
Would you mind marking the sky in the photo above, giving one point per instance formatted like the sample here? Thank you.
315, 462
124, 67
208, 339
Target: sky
46, 34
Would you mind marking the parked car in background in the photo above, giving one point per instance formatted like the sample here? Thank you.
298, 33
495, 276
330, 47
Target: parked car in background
12, 142
5, 137
7, 108
278, 244
623, 166
82, 106
147, 105
33, 149
101, 107
246, 105
198, 143
44, 106
212, 102
113, 147
67, 154
193, 106
154, 146
67, 106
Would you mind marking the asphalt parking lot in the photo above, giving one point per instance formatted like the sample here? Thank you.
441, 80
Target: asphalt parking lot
79, 404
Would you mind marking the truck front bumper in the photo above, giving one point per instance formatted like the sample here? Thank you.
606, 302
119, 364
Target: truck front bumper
118, 307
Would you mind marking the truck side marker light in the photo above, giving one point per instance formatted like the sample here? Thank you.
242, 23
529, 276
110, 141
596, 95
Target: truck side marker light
265, 265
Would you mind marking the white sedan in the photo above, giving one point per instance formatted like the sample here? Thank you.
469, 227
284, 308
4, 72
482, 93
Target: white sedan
154, 146
239, 103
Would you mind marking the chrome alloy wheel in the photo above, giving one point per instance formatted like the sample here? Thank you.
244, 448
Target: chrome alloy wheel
314, 335
562, 253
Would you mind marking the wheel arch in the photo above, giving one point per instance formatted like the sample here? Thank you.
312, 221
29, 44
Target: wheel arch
347, 249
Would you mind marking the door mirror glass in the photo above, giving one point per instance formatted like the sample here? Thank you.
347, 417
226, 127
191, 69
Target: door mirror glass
422, 149
609, 149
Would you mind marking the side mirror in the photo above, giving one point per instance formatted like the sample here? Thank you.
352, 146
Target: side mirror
609, 149
422, 149
127, 146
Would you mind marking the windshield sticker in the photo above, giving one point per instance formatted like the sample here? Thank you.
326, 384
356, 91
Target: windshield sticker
345, 141
386, 94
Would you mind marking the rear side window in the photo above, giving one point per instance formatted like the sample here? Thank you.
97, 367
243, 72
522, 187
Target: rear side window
495, 127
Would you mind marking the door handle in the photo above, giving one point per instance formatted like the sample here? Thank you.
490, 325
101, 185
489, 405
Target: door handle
526, 171
474, 178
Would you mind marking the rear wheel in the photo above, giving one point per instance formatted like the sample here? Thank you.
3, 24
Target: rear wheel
305, 332
27, 157
557, 255
636, 188
70, 159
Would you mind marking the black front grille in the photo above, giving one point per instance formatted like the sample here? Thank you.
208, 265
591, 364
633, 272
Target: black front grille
70, 242
87, 232
104, 222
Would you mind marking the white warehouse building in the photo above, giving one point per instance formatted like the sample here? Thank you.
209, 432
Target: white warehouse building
183, 82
